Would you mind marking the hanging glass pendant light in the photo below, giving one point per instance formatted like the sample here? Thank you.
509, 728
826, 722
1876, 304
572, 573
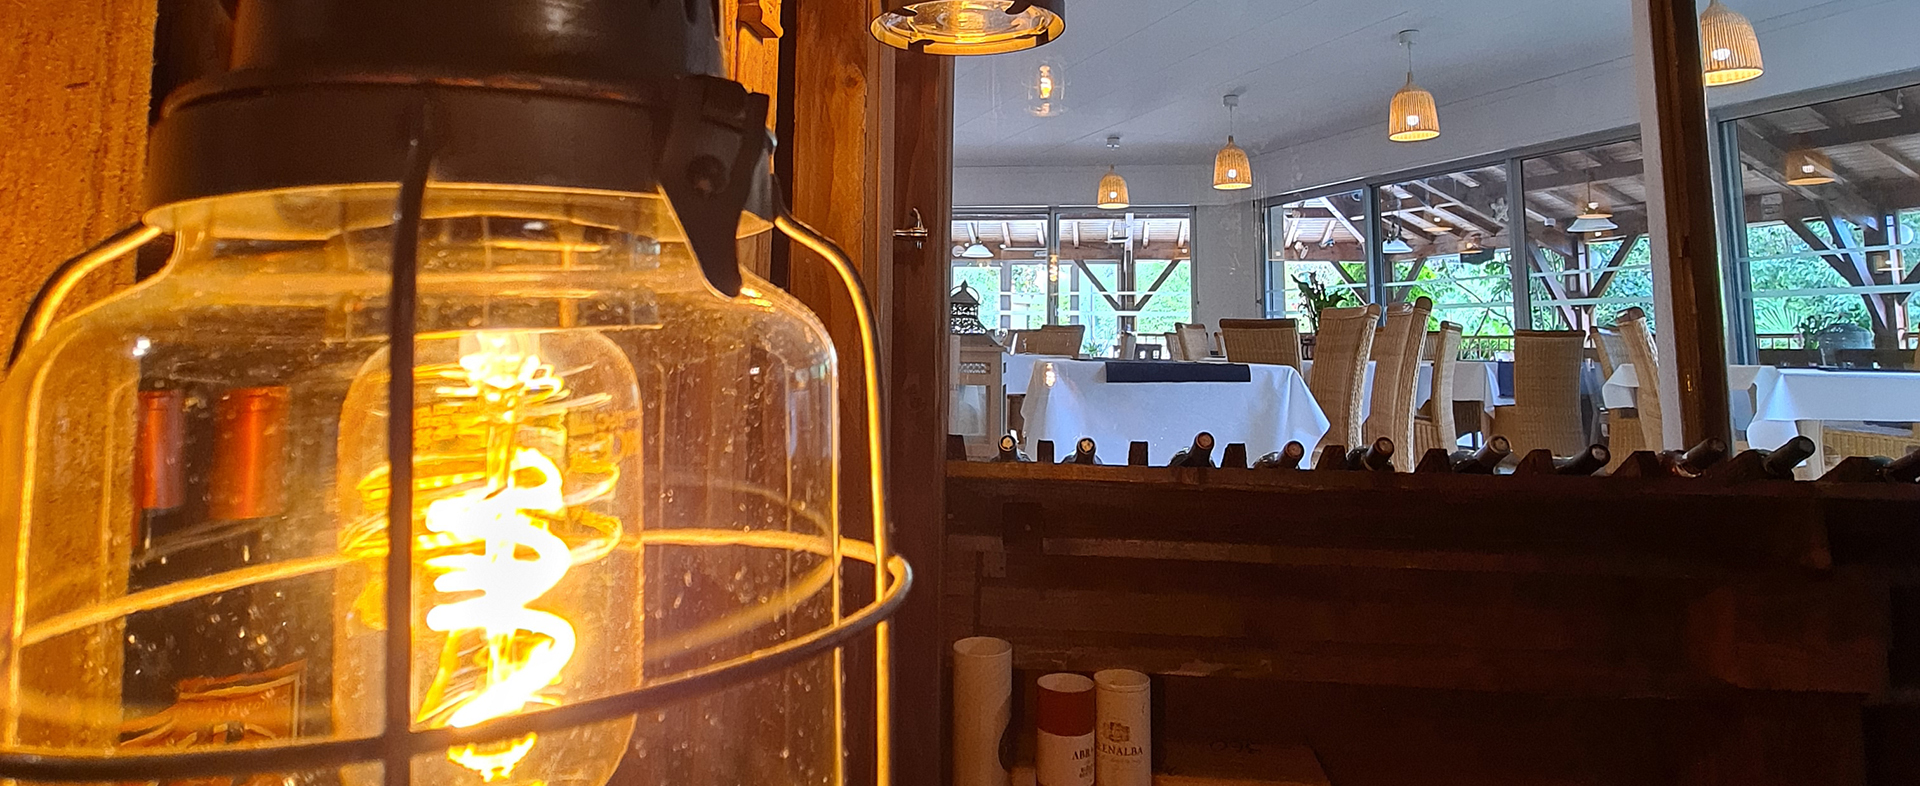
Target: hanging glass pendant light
1113, 188
1595, 214
1232, 171
1806, 166
1728, 47
1413, 117
970, 27
1047, 90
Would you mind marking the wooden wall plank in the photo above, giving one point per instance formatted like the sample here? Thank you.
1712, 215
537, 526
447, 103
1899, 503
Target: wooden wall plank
78, 75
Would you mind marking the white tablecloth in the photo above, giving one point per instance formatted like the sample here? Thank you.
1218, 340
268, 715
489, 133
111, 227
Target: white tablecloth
1265, 414
1622, 390
1782, 398
1472, 381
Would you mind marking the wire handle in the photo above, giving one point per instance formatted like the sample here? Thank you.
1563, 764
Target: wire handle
876, 458
46, 303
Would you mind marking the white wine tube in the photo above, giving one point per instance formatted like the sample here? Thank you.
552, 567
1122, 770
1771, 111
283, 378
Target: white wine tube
1123, 728
1065, 751
982, 707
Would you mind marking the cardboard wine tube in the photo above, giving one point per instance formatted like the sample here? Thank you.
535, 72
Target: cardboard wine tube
1123, 728
982, 707
1065, 756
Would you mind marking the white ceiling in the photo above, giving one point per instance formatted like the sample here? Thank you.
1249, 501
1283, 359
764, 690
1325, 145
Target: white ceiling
1154, 71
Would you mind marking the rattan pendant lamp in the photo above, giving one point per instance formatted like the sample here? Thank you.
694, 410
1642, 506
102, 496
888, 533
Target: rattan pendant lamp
1729, 48
1232, 171
1806, 166
1113, 188
1413, 118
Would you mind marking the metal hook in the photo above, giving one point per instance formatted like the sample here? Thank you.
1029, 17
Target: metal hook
917, 233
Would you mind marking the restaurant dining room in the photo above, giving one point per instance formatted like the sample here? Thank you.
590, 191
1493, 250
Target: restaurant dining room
1393, 383
960, 393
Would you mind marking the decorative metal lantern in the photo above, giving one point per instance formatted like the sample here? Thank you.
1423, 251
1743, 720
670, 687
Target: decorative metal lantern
469, 269
963, 312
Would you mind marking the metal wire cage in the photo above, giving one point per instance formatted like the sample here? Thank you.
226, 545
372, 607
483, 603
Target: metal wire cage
390, 719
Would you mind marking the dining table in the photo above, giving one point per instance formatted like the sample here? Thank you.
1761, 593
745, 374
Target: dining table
1773, 405
1067, 399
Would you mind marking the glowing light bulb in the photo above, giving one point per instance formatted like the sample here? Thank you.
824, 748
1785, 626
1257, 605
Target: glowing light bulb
510, 496
1046, 81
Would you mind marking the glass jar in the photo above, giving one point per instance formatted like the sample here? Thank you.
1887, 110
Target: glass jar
620, 476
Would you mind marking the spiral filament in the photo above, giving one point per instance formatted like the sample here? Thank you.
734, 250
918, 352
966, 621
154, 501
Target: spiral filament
489, 496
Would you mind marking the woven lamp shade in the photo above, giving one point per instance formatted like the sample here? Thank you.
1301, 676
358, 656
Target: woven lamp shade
1728, 46
1232, 170
1113, 192
1807, 167
1414, 117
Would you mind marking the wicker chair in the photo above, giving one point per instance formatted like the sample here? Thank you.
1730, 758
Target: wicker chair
1546, 393
1624, 432
1433, 425
1396, 376
1345, 341
1272, 342
1646, 367
1061, 340
1193, 341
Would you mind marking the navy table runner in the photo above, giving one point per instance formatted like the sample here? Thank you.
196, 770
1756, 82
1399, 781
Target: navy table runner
1174, 371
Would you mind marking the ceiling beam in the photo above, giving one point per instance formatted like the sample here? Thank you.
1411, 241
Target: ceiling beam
1767, 158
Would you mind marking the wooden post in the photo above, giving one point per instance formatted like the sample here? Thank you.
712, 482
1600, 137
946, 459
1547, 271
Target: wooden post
77, 77
1690, 320
917, 372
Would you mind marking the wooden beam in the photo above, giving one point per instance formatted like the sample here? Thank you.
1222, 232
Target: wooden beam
1602, 174
1613, 265
1768, 158
917, 387
1686, 264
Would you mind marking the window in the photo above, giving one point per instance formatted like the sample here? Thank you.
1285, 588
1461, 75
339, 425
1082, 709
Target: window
1445, 238
1588, 254
1003, 257
1825, 234
1317, 242
1125, 272
1114, 272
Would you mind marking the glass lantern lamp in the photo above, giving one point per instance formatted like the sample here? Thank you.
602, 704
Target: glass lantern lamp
452, 446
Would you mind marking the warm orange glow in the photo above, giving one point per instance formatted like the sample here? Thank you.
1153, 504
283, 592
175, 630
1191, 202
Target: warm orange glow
487, 544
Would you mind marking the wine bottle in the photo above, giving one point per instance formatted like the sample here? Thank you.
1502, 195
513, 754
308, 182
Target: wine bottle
1285, 458
1199, 454
1589, 461
1779, 464
1083, 453
1692, 463
1484, 460
1905, 469
234, 661
1377, 457
1010, 452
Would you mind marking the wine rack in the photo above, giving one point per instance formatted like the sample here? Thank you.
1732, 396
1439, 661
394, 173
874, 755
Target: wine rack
1433, 627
